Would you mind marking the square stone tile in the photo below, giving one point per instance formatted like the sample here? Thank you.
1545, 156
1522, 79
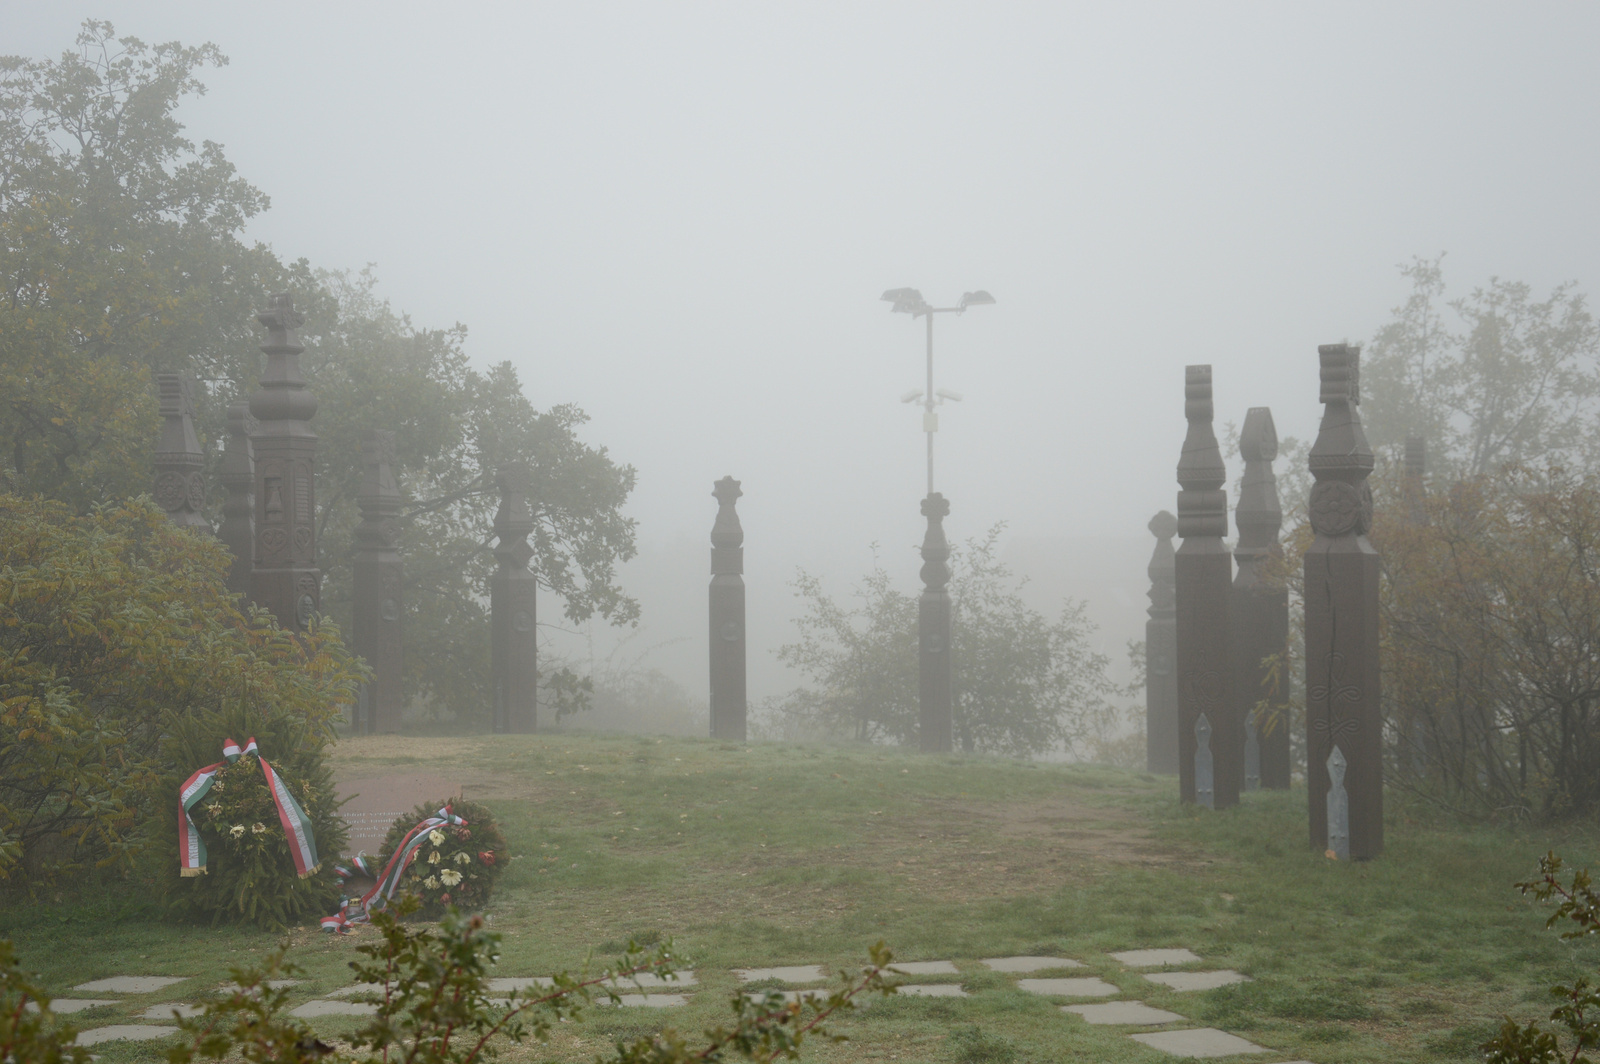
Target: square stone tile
511, 986
1197, 980
274, 984
312, 1009
1198, 1042
819, 993
1154, 958
130, 984
67, 1006
933, 990
1090, 987
799, 973
1029, 964
133, 1032
1129, 1012
925, 967
650, 980
164, 1012
355, 990
651, 1001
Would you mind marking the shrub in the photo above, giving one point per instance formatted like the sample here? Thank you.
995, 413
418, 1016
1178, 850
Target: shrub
455, 865
30, 1034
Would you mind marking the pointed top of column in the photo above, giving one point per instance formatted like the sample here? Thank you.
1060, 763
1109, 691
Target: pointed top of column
1341, 450
283, 395
726, 531
177, 416
1258, 439
1200, 467
935, 548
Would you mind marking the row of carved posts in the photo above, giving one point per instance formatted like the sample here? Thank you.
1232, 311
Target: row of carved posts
1215, 713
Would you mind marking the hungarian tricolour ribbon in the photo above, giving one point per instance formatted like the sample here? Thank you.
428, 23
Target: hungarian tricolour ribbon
296, 825
359, 910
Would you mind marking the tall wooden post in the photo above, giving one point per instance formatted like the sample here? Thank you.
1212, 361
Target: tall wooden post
1344, 738
238, 476
286, 579
1160, 654
935, 666
379, 605
180, 487
514, 646
1260, 612
728, 705
1210, 733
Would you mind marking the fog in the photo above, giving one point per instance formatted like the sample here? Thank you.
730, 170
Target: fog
681, 218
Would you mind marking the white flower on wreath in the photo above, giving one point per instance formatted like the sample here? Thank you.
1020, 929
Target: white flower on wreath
214, 808
236, 830
462, 857
450, 877
258, 828
436, 837
431, 883
433, 858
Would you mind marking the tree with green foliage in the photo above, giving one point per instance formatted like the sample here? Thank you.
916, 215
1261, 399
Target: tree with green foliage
1024, 684
118, 636
122, 255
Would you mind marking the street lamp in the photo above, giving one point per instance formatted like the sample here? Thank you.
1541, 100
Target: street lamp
935, 663
910, 301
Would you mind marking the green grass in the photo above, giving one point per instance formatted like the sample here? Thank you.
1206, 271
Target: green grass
773, 854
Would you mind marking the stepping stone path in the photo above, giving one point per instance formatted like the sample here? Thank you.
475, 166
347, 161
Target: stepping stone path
1192, 1042
1197, 980
67, 1006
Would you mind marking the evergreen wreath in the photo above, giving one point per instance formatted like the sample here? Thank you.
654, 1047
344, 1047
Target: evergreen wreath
454, 865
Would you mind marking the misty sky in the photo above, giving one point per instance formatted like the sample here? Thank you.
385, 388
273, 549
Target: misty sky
681, 217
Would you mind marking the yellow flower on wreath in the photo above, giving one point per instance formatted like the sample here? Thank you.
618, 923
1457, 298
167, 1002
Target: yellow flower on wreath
436, 837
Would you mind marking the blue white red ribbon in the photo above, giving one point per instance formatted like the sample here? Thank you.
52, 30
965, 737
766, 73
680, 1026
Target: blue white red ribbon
296, 825
359, 910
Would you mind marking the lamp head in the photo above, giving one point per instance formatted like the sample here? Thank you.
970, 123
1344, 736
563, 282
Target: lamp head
905, 300
975, 299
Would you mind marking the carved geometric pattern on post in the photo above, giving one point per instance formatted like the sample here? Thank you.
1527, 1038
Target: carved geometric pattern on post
1204, 776
1338, 807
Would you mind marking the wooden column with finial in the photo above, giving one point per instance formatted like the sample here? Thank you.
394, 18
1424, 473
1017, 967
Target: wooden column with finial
1260, 610
286, 579
238, 476
728, 697
935, 665
1210, 733
1344, 734
180, 487
513, 614
1414, 487
379, 604
1160, 654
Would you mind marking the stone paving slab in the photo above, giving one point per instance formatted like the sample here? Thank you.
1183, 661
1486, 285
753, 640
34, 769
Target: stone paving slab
511, 986
820, 993
649, 1001
651, 980
798, 973
1090, 987
130, 984
1197, 980
354, 989
67, 1006
274, 984
932, 990
1198, 1042
312, 1009
164, 1012
925, 967
1129, 1012
133, 1032
1154, 958
1029, 964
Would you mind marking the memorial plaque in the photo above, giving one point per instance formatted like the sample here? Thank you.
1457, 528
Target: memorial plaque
512, 613
285, 577
1260, 609
1160, 654
728, 701
935, 670
378, 585
1202, 573
1341, 604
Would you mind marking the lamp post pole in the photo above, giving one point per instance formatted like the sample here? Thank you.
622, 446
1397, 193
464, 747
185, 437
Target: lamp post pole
935, 667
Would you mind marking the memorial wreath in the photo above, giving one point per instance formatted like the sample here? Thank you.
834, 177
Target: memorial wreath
452, 861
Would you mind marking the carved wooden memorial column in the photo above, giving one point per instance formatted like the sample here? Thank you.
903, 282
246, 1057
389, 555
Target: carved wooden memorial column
180, 487
1414, 487
1210, 733
238, 476
378, 571
1160, 654
1260, 614
286, 578
1344, 749
728, 705
935, 668
512, 589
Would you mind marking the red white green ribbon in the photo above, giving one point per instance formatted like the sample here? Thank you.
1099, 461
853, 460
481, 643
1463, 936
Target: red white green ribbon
359, 910
296, 825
